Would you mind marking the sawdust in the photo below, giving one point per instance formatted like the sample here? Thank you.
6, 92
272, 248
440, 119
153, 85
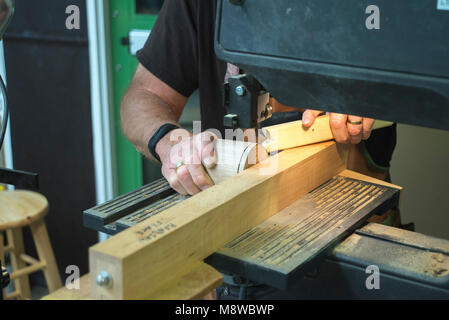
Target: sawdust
439, 257
438, 268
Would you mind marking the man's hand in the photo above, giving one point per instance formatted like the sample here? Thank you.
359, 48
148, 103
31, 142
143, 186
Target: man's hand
345, 128
183, 156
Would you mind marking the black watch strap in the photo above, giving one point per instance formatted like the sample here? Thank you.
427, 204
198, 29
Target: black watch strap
158, 135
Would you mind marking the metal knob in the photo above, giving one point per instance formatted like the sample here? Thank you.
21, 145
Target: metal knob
240, 90
104, 280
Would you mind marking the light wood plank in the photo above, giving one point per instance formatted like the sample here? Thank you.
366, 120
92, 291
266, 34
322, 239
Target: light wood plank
144, 258
294, 134
83, 293
193, 286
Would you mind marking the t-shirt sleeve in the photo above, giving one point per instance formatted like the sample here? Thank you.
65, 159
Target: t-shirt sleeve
171, 50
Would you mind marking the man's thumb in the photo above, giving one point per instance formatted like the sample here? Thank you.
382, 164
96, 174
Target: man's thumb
308, 117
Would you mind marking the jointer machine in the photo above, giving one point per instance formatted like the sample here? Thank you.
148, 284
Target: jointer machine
294, 224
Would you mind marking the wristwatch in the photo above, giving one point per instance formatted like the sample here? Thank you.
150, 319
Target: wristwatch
158, 135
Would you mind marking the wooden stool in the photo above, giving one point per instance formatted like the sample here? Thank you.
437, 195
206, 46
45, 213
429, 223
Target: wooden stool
20, 209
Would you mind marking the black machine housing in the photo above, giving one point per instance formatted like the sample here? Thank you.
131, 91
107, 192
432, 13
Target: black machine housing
320, 54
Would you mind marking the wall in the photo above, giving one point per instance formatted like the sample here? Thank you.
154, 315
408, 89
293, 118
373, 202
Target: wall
47, 69
421, 165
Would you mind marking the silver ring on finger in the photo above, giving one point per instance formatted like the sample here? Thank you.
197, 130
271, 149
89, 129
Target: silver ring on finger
178, 165
355, 123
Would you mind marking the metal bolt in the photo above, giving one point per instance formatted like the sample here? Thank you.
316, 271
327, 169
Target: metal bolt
240, 90
104, 280
115, 14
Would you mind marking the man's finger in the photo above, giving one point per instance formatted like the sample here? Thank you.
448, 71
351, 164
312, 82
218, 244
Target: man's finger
355, 129
199, 176
339, 128
197, 173
309, 116
175, 155
367, 127
172, 179
205, 143
186, 181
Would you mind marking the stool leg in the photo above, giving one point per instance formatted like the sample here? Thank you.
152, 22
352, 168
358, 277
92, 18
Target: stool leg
15, 240
2, 259
45, 252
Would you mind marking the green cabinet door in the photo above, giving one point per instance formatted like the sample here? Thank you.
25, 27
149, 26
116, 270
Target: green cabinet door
125, 16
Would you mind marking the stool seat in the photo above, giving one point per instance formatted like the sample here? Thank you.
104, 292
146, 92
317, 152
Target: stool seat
21, 208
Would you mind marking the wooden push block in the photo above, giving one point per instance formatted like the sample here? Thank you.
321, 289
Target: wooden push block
144, 260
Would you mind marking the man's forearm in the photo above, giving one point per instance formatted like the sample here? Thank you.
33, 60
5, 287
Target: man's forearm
142, 113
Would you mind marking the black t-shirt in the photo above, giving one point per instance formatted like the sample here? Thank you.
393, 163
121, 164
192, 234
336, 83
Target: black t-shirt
180, 52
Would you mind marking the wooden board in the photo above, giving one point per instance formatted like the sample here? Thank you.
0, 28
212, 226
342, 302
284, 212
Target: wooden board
194, 285
83, 293
294, 134
163, 248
